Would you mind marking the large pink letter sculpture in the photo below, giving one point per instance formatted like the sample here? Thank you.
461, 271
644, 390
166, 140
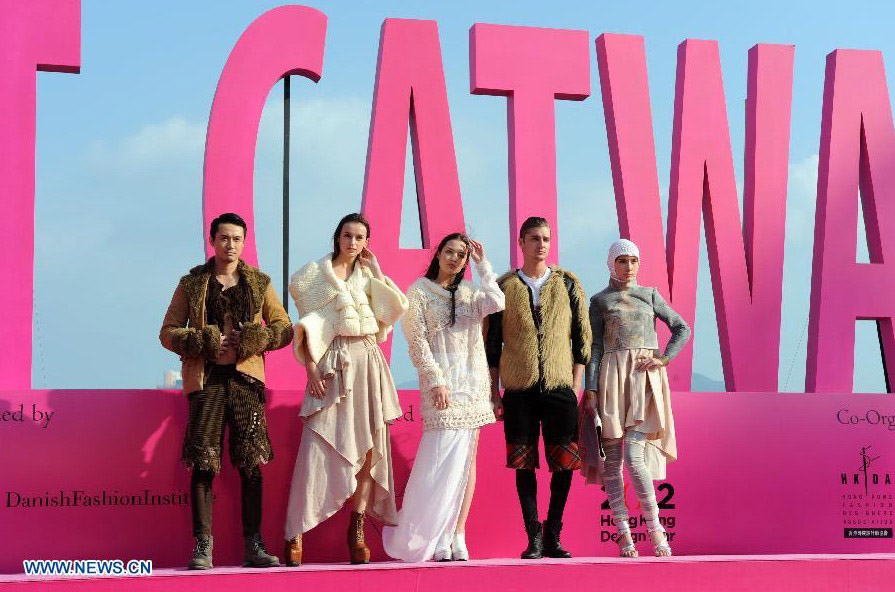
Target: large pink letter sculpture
746, 263
857, 150
283, 41
532, 67
410, 90
36, 35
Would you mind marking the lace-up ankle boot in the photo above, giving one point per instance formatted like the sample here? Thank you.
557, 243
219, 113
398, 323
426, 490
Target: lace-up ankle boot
202, 553
256, 554
535, 548
292, 553
358, 552
552, 547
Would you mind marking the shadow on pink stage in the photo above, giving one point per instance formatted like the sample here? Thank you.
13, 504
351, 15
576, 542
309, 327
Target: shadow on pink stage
732, 573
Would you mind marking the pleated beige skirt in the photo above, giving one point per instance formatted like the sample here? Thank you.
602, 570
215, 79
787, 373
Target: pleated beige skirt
340, 429
629, 399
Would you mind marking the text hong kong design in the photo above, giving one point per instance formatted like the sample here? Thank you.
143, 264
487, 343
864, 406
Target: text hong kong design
534, 67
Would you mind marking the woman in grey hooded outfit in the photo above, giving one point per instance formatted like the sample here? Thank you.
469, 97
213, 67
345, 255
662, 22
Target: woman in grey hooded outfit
627, 390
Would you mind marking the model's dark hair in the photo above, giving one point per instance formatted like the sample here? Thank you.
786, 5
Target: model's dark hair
355, 217
531, 223
227, 218
434, 267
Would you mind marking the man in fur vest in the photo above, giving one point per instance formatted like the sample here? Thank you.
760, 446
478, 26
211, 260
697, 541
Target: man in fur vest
539, 346
222, 319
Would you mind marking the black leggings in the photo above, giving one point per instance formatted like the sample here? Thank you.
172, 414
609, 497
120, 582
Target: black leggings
200, 491
527, 488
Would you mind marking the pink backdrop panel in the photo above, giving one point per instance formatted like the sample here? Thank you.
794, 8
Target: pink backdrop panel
410, 92
38, 35
532, 67
746, 263
283, 41
857, 149
758, 474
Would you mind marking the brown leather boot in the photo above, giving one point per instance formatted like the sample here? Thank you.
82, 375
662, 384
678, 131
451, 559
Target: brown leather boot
357, 549
293, 552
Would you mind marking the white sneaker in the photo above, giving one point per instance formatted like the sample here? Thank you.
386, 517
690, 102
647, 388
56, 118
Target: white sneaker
458, 547
443, 549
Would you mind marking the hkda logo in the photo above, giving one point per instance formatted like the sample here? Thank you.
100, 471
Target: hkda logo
864, 475
867, 514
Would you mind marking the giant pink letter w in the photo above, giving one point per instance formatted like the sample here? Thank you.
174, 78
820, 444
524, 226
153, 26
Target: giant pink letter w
746, 262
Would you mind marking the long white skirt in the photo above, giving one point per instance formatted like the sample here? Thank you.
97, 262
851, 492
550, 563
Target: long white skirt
433, 494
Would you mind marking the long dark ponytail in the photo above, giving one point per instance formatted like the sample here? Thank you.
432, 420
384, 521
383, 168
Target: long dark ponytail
434, 268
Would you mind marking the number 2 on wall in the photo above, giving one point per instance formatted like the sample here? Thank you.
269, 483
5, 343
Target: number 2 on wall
664, 504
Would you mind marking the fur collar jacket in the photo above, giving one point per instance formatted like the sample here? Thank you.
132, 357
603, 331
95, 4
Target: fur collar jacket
540, 345
185, 330
329, 306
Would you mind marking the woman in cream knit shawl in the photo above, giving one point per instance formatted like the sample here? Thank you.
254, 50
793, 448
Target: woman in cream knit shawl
346, 306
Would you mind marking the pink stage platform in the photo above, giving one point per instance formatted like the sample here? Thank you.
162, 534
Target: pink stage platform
730, 573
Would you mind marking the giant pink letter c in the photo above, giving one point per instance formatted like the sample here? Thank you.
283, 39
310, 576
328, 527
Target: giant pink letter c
285, 40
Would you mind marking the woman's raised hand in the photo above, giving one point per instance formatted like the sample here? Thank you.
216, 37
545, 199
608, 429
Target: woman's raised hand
476, 251
368, 259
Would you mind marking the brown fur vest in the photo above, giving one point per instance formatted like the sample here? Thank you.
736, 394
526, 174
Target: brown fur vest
565, 336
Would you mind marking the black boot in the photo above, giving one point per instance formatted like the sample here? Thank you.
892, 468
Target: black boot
552, 546
535, 548
202, 553
256, 554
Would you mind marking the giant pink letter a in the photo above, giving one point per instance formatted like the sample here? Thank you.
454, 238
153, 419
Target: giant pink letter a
857, 150
410, 91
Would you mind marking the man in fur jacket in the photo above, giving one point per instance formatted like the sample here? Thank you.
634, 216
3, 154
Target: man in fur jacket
222, 319
538, 348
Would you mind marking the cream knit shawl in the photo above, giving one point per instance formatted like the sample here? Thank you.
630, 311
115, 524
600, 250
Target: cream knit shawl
328, 306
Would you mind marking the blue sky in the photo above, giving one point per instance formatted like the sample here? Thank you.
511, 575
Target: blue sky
120, 151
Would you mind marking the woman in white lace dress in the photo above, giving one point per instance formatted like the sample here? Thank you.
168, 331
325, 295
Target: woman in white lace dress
443, 326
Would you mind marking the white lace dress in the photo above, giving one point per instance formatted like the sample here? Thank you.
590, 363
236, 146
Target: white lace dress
452, 356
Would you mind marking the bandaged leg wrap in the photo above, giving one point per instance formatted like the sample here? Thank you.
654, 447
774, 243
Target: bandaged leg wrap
615, 486
635, 446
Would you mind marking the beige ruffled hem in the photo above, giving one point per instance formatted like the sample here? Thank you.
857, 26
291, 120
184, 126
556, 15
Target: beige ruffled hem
340, 429
632, 399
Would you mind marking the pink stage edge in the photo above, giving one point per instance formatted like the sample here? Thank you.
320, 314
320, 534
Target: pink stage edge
820, 573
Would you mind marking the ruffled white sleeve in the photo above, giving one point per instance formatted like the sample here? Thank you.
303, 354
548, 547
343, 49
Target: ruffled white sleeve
489, 298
